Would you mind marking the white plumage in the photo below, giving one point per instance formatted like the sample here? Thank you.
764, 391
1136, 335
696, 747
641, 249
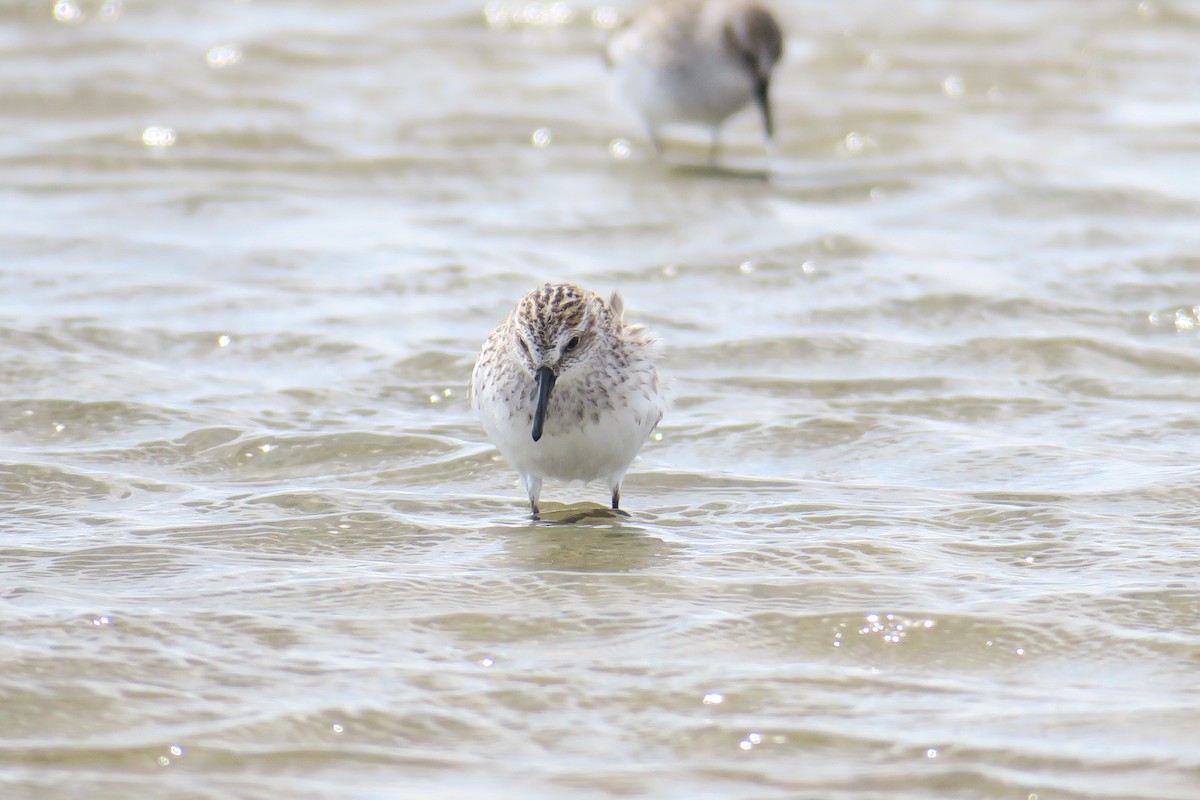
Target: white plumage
603, 398
697, 62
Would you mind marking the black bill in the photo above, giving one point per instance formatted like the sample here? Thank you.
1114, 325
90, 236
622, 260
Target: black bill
762, 98
545, 378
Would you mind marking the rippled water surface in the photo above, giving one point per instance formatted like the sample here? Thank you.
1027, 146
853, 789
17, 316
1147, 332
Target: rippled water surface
922, 522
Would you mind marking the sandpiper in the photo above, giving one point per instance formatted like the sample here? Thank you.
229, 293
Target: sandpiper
566, 389
697, 62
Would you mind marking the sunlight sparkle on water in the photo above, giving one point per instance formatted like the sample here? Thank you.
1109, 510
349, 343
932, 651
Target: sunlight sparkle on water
157, 136
753, 739
1182, 319
541, 15
541, 137
620, 148
890, 628
606, 18
223, 55
68, 11
713, 698
856, 143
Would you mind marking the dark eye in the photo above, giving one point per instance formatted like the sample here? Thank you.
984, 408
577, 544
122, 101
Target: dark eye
573, 343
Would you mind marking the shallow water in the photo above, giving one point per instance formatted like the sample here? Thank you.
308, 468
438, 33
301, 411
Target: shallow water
921, 523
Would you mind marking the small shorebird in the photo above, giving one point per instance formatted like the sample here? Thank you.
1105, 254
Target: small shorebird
566, 389
698, 62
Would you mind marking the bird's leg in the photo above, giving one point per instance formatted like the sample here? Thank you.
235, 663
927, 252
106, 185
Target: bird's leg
656, 143
714, 146
616, 498
533, 485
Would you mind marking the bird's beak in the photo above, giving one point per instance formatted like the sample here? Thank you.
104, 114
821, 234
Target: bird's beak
762, 88
545, 378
